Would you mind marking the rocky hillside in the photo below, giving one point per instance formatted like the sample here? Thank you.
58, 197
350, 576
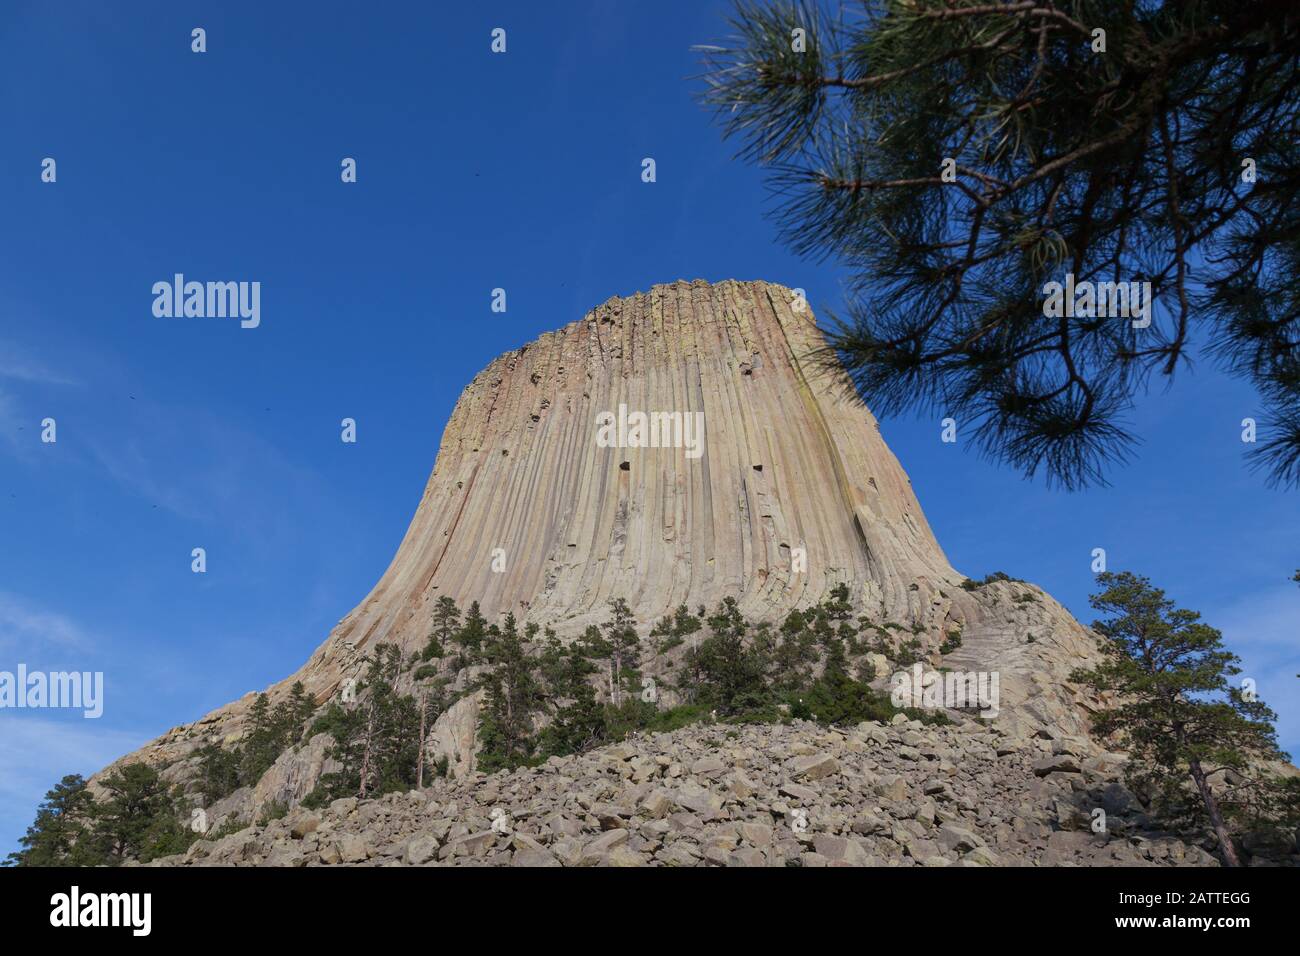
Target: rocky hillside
793, 491
903, 794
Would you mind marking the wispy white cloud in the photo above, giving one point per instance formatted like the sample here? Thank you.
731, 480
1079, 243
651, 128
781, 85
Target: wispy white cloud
192, 463
138, 473
26, 629
17, 369
20, 367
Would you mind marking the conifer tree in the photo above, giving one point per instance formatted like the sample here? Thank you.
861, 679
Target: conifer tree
1176, 710
732, 673
795, 652
301, 709
140, 819
957, 156
376, 737
260, 746
58, 835
512, 698
470, 636
578, 720
622, 640
219, 772
446, 619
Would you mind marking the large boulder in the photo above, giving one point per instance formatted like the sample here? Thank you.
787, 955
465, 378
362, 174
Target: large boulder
293, 775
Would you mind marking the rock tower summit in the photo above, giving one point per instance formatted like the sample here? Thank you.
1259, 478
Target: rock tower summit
767, 480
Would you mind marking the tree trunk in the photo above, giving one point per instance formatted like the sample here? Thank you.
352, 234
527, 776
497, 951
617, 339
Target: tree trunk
1216, 817
617, 683
365, 759
419, 762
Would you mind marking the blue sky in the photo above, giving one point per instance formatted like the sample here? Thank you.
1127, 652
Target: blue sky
475, 171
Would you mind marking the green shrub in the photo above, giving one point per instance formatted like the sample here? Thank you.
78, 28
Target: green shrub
970, 585
275, 810
837, 699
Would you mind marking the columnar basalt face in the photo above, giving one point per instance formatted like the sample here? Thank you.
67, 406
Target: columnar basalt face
539, 506
789, 491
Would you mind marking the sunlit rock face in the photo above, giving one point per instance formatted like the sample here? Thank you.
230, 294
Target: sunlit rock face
553, 492
680, 446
